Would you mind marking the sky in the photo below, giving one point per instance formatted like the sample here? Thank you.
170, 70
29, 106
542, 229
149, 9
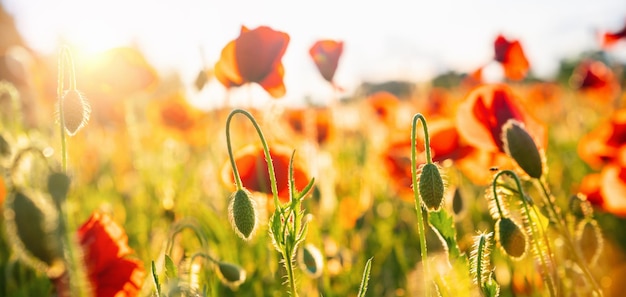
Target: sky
384, 40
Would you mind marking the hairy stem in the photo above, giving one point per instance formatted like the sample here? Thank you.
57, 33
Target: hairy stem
418, 204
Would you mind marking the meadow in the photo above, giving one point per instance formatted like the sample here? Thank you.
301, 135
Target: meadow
114, 184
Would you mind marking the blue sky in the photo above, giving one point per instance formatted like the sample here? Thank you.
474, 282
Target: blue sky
383, 39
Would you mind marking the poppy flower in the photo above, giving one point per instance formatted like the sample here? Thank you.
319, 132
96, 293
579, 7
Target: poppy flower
179, 119
510, 55
105, 246
610, 38
603, 144
596, 79
322, 117
115, 75
254, 57
326, 54
486, 109
385, 106
473, 78
445, 144
254, 174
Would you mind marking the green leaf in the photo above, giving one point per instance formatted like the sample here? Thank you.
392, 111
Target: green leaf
366, 277
155, 276
443, 223
491, 288
170, 268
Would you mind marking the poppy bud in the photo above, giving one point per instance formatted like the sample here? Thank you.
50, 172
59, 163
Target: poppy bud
511, 238
32, 228
589, 238
431, 187
580, 207
76, 111
521, 147
231, 274
310, 260
242, 213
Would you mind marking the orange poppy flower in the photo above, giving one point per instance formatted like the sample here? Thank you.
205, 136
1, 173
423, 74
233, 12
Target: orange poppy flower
596, 79
254, 57
114, 75
610, 38
297, 120
179, 119
326, 54
603, 144
486, 109
384, 105
473, 78
512, 58
105, 244
254, 174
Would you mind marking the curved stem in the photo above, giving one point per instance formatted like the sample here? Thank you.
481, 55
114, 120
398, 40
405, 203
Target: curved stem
495, 192
266, 151
418, 204
569, 243
426, 137
534, 233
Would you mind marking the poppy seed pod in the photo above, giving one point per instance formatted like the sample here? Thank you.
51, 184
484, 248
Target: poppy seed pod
520, 146
231, 274
242, 213
76, 111
431, 187
310, 261
32, 228
511, 237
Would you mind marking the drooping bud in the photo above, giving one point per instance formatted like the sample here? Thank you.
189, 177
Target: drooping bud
580, 207
76, 111
511, 237
230, 274
242, 213
32, 228
589, 238
310, 261
520, 146
431, 188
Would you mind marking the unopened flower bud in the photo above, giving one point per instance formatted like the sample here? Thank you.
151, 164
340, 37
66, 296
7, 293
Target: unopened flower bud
242, 213
521, 147
310, 261
76, 111
431, 188
511, 237
230, 274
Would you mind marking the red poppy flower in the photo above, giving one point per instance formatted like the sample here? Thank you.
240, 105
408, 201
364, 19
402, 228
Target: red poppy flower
297, 120
179, 119
254, 174
445, 143
596, 79
254, 57
384, 105
486, 109
610, 38
603, 144
511, 55
105, 244
326, 54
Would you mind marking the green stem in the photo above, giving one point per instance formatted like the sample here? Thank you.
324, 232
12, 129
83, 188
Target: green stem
495, 194
535, 238
479, 261
569, 243
266, 150
418, 204
288, 257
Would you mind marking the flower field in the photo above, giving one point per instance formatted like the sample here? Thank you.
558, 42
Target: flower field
112, 183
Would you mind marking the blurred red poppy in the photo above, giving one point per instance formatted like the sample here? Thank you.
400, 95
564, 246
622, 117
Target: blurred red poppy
596, 79
603, 144
254, 57
179, 119
384, 105
610, 38
105, 244
511, 55
473, 78
322, 117
326, 54
254, 173
445, 144
486, 109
